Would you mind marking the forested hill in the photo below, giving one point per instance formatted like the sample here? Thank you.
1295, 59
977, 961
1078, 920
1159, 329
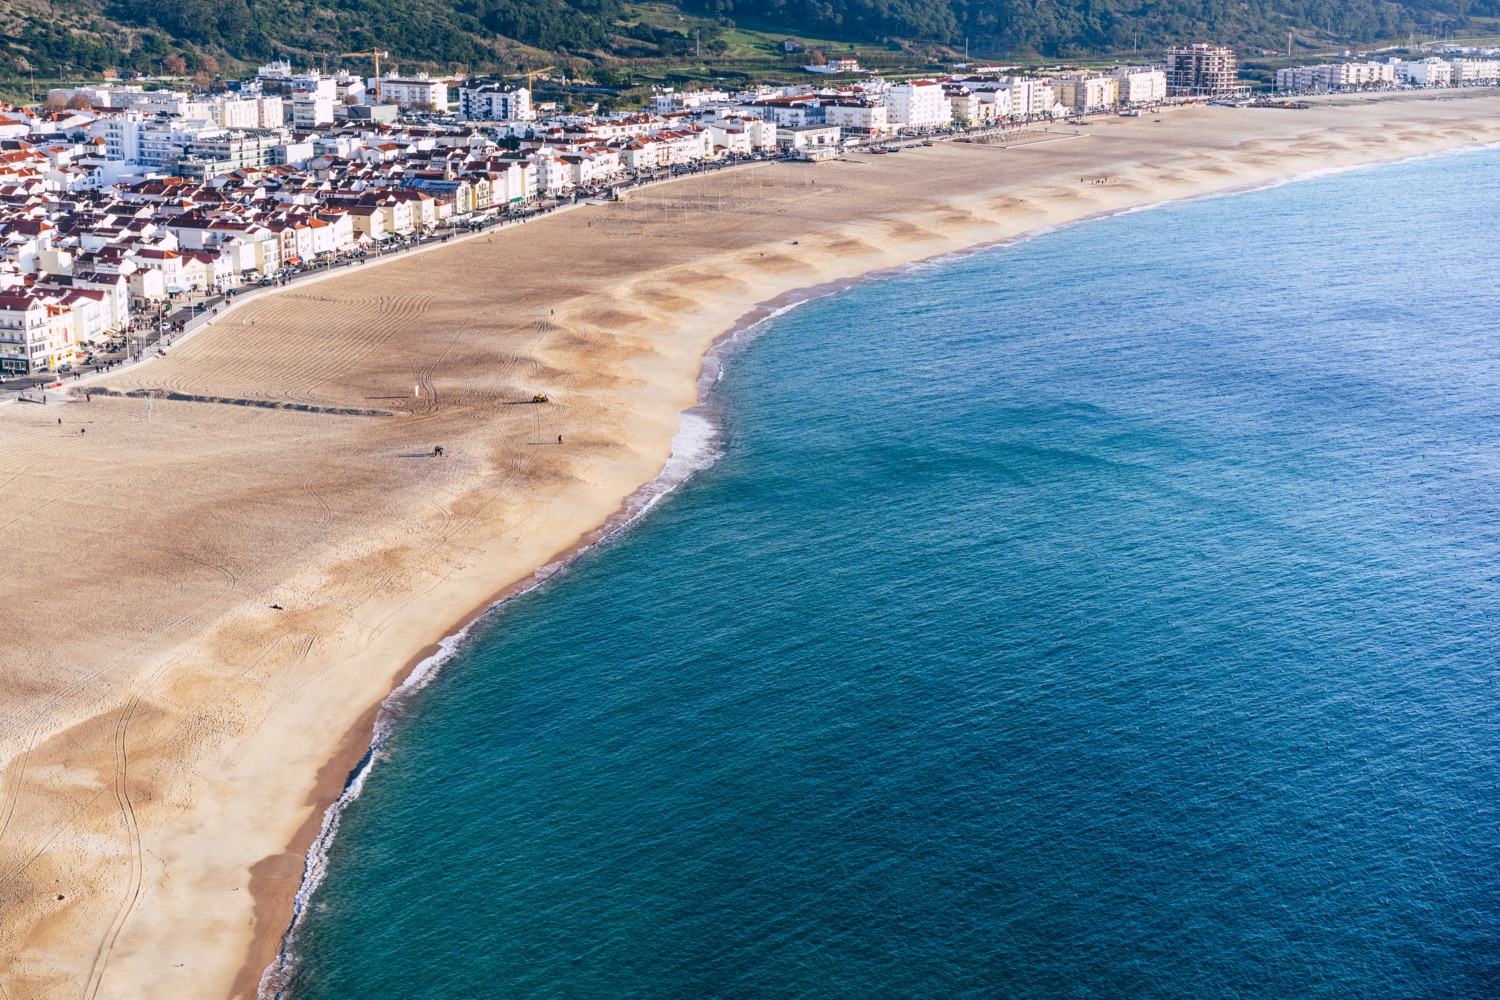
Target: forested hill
1069, 27
90, 35
52, 38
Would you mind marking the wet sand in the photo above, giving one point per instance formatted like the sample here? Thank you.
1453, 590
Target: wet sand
169, 740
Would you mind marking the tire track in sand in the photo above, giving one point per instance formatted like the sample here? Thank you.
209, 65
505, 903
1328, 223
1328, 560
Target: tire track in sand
136, 860
14, 793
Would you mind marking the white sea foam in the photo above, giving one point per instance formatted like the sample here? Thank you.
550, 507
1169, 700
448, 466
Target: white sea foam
695, 447
276, 978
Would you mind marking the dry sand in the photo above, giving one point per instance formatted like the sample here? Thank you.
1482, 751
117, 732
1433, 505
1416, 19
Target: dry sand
169, 741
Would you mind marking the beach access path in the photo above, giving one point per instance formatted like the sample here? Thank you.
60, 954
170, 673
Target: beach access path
213, 593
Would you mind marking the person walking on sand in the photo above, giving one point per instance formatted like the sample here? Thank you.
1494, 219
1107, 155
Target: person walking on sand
559, 439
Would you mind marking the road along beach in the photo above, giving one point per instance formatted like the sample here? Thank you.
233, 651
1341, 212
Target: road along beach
220, 580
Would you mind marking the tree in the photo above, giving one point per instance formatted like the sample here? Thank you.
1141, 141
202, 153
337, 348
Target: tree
174, 64
209, 65
55, 102
202, 81
79, 102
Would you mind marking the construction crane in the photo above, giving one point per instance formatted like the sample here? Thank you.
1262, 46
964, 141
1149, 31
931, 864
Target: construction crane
377, 55
529, 74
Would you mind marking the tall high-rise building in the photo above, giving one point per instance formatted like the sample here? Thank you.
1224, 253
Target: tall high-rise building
1201, 71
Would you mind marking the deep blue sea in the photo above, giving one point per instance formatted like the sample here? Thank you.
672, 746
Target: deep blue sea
1115, 614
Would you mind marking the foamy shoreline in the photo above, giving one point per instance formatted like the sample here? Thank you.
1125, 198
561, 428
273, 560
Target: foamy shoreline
373, 553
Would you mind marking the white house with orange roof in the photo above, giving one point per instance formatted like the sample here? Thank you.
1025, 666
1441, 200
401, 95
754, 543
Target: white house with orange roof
14, 125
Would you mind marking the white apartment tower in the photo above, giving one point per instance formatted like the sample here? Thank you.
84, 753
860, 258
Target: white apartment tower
1028, 96
1141, 84
919, 104
493, 102
1082, 92
420, 92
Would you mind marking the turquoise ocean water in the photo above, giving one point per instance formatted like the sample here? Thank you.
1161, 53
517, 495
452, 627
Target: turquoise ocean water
1116, 614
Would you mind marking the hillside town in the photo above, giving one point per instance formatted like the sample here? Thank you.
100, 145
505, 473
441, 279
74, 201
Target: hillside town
126, 208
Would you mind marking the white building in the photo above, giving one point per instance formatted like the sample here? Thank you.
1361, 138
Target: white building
271, 112
229, 150
513, 183
236, 113
311, 111
761, 133
1141, 85
787, 112
811, 142
419, 93
34, 333
668, 100
1335, 76
990, 93
1028, 96
857, 116
731, 137
1473, 71
149, 142
1087, 91
964, 106
1426, 73
493, 102
920, 104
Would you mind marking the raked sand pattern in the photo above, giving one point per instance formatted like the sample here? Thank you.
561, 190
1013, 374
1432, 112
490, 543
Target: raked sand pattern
169, 739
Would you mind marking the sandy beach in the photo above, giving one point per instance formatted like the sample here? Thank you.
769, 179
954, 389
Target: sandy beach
210, 599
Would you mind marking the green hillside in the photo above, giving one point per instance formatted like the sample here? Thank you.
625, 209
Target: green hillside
632, 42
1069, 28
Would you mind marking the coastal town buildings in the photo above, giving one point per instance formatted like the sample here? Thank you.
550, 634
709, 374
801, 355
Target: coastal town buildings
117, 198
1432, 71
